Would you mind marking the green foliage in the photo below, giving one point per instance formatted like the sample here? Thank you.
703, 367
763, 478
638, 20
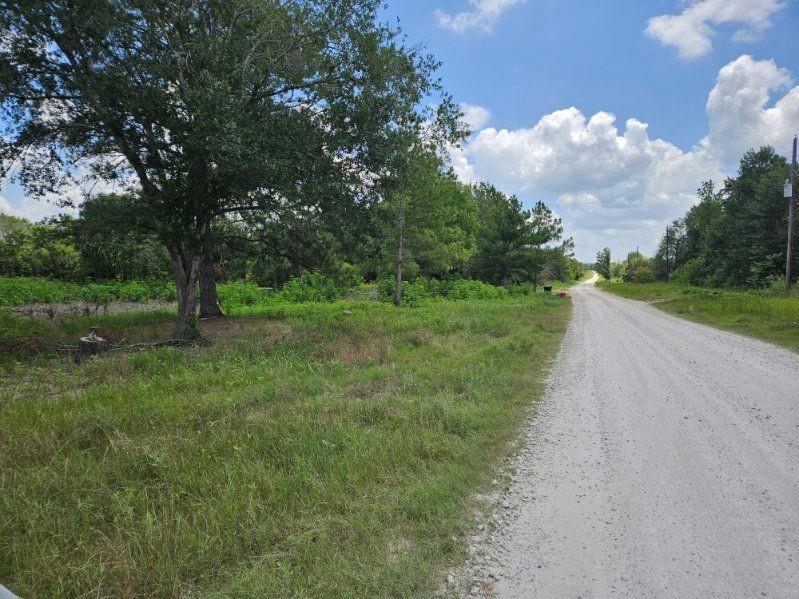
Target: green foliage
17, 291
735, 236
231, 116
104, 241
111, 236
561, 265
236, 294
510, 239
640, 274
310, 287
21, 337
339, 443
38, 250
421, 288
433, 214
603, 264
635, 269
10, 224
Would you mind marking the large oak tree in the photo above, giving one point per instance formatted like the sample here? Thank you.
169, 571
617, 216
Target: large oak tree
209, 108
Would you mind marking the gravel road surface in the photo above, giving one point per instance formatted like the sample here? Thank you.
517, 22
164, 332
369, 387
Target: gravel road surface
663, 462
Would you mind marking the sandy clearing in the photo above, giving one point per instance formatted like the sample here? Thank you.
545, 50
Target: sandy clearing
663, 462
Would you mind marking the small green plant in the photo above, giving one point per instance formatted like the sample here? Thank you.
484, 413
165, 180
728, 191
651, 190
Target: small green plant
421, 289
310, 287
237, 294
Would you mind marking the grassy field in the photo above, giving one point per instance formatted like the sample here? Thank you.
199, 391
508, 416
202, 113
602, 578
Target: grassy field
309, 450
22, 334
766, 315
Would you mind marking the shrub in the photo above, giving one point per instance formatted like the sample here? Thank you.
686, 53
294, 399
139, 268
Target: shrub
240, 294
457, 289
17, 291
641, 274
521, 289
97, 293
309, 287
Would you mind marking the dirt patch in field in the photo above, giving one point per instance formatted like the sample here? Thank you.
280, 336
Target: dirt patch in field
81, 308
234, 331
358, 351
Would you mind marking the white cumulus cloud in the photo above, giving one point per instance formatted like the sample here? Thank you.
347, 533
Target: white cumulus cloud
31, 209
475, 116
483, 15
613, 183
691, 30
738, 112
568, 152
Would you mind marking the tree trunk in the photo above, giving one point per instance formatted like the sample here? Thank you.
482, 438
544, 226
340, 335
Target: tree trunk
506, 281
185, 269
400, 241
209, 298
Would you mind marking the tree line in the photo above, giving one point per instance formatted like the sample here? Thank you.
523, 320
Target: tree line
268, 136
735, 236
454, 231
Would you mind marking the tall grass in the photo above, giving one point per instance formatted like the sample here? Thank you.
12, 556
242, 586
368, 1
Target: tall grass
309, 287
311, 450
769, 315
21, 335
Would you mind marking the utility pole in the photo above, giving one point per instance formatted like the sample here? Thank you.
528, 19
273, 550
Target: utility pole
667, 254
791, 205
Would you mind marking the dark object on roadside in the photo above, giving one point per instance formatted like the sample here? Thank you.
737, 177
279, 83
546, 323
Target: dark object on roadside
562, 294
91, 346
548, 288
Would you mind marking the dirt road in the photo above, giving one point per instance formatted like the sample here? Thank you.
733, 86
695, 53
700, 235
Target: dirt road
663, 462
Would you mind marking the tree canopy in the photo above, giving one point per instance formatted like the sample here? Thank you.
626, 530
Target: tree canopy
735, 236
211, 109
511, 240
603, 263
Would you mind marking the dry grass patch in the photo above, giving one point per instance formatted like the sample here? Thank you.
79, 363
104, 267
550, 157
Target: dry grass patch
352, 352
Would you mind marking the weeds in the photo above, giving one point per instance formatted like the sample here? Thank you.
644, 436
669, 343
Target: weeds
311, 450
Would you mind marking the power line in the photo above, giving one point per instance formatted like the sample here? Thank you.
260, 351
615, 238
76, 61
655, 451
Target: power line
612, 201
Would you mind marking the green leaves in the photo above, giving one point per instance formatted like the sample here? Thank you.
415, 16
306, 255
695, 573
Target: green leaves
215, 109
603, 264
735, 236
511, 240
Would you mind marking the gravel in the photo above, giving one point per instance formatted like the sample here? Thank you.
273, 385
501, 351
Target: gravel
663, 462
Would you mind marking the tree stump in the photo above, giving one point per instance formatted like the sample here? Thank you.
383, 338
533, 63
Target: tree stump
92, 345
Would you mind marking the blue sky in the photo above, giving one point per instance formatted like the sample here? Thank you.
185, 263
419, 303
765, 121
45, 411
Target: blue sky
532, 58
543, 55
540, 79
